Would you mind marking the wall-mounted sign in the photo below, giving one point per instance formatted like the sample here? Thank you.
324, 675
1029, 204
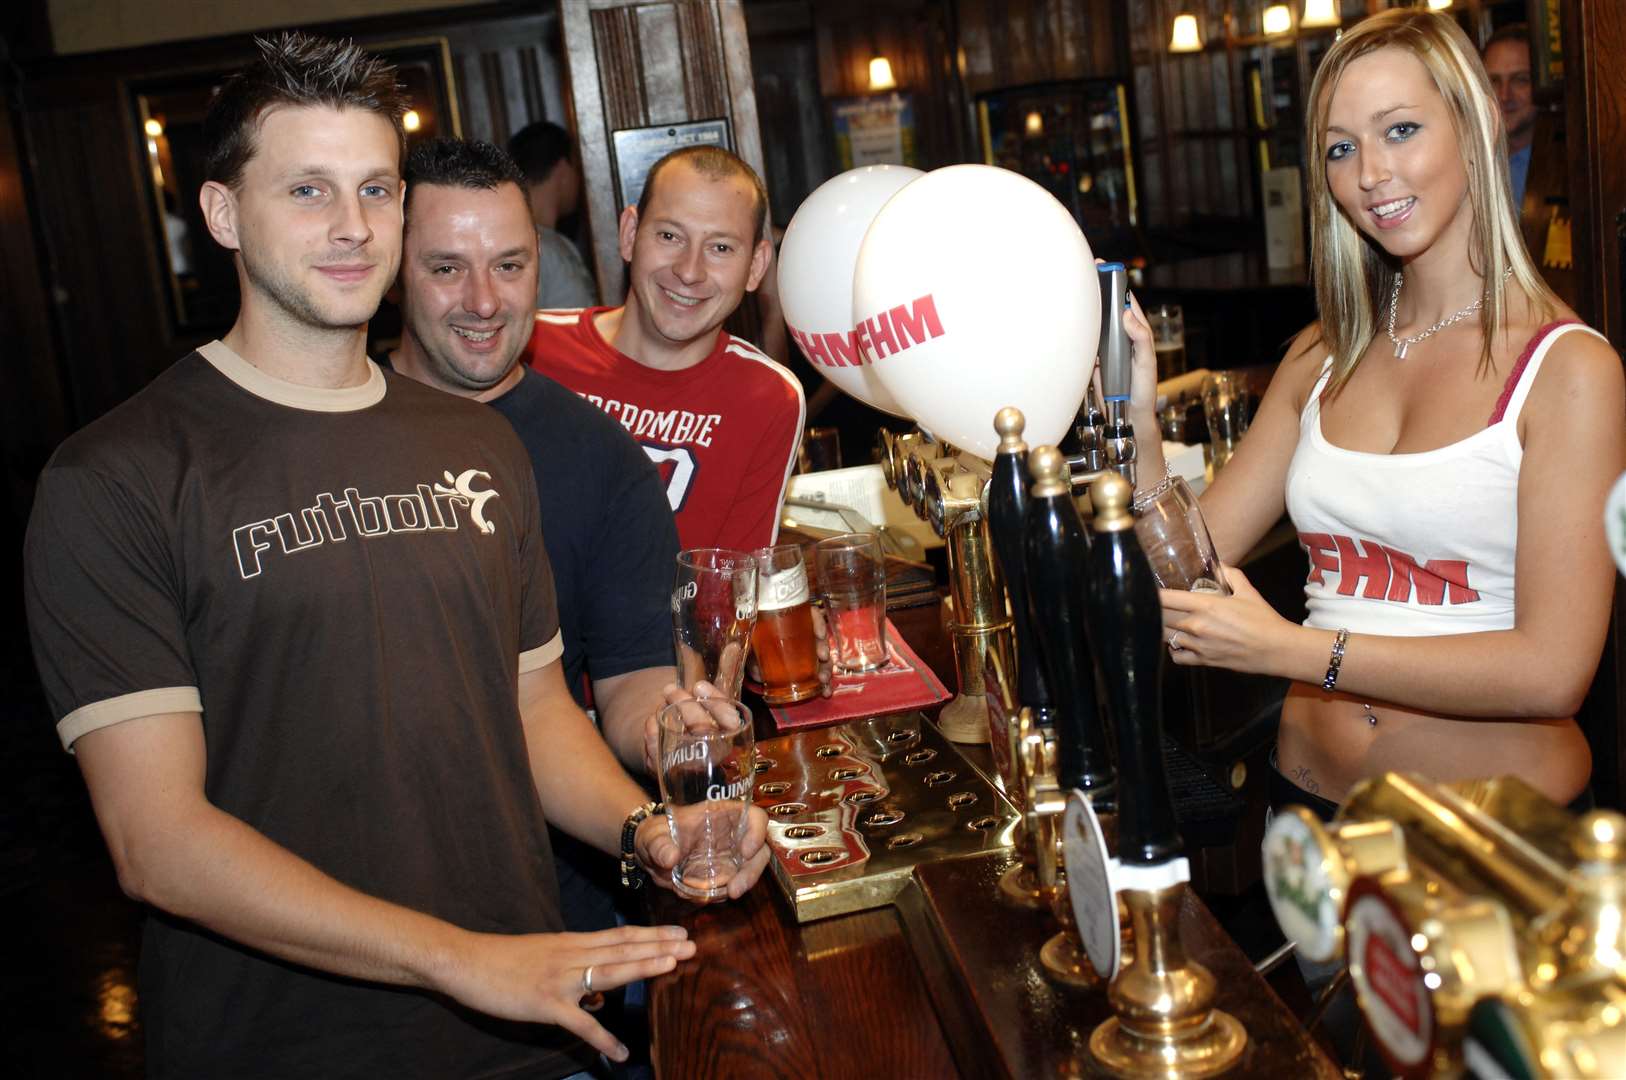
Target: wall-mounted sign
637, 149
877, 130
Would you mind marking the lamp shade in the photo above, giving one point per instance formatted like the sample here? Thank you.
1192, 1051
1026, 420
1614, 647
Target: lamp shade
1319, 13
1278, 19
1184, 38
880, 74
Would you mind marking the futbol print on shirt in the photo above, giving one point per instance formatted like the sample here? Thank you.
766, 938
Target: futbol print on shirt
723, 433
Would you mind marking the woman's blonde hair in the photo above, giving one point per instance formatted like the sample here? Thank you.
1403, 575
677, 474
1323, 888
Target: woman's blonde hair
1353, 275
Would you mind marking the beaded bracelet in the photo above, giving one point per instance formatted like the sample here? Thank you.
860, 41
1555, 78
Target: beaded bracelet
1146, 498
1336, 661
632, 875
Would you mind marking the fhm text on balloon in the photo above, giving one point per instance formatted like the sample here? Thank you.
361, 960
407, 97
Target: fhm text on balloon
879, 336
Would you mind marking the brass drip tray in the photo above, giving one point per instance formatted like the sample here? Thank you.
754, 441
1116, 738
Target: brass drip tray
853, 809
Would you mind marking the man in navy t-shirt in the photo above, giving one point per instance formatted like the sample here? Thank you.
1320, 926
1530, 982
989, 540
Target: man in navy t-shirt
468, 280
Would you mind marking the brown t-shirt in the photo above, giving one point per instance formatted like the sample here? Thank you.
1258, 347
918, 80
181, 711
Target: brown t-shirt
346, 584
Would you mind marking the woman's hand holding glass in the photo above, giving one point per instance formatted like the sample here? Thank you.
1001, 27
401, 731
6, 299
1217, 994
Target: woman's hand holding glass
1241, 632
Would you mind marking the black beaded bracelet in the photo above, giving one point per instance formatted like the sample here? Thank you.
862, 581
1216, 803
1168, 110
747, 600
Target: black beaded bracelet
632, 875
1336, 661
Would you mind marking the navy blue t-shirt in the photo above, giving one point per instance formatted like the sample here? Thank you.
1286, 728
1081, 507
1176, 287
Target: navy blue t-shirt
607, 527
613, 544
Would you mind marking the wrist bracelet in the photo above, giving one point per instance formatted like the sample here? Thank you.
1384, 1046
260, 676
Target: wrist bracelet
632, 875
1146, 498
1335, 661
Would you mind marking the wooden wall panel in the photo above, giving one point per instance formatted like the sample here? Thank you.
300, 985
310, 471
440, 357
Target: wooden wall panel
1016, 42
1595, 99
638, 63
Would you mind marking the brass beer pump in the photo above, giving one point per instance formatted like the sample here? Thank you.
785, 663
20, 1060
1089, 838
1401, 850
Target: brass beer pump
1484, 927
947, 488
1165, 1024
1007, 522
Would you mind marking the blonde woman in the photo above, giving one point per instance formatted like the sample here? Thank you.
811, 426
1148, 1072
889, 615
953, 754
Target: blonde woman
1443, 439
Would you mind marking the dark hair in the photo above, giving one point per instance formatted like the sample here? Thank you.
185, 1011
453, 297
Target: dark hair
714, 163
301, 70
464, 163
537, 148
1519, 32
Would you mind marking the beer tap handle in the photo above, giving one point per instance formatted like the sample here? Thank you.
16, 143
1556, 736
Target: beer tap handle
1117, 358
1124, 610
1056, 548
1007, 517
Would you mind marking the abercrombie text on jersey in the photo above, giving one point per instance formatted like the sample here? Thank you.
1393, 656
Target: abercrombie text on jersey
428, 508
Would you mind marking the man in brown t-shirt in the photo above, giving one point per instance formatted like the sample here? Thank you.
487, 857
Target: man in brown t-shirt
296, 619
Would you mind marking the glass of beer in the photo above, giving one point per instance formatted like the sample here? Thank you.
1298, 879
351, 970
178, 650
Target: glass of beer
707, 777
783, 639
1175, 538
1168, 324
714, 606
852, 580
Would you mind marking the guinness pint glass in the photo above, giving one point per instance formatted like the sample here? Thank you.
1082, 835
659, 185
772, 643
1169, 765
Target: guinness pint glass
783, 638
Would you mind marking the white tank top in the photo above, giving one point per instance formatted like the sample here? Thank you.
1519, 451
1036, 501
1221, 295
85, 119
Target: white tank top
1414, 545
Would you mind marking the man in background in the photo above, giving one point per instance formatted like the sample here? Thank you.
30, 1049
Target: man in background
719, 418
468, 273
1538, 164
553, 187
1507, 61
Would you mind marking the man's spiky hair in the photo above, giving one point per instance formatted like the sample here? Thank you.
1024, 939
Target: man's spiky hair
300, 70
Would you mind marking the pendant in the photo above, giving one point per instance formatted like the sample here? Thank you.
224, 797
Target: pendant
1400, 349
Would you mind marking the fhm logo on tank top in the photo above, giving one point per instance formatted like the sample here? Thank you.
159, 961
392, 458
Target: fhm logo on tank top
428, 508
1390, 574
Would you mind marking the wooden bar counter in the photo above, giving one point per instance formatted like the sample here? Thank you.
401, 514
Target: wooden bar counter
944, 983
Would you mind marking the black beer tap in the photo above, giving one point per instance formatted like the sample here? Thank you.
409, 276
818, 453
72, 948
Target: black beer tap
1007, 522
1057, 546
1127, 627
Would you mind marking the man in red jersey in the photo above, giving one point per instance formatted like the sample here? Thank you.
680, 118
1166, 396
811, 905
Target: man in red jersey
719, 418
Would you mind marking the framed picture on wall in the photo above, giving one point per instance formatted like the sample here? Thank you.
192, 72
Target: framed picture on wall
874, 130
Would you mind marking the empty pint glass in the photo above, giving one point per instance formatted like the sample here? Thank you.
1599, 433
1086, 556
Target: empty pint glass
783, 639
852, 580
706, 776
714, 604
1172, 532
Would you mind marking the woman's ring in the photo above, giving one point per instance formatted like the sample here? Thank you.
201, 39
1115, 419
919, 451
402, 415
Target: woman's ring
1174, 641
587, 980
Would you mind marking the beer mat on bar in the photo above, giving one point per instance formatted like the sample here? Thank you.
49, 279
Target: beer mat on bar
905, 682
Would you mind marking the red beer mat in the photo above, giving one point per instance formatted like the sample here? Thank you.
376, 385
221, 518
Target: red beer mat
904, 682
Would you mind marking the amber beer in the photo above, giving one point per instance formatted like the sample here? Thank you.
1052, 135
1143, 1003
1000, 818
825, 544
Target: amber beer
783, 639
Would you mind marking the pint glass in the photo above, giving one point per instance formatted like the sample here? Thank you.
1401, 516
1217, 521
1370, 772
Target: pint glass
852, 579
714, 604
783, 638
707, 774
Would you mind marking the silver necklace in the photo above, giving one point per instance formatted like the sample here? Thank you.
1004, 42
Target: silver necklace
1402, 344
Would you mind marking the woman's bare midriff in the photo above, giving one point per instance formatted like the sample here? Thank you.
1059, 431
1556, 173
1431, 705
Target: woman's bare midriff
1326, 745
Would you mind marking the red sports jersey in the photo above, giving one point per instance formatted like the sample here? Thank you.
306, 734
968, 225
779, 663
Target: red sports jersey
724, 432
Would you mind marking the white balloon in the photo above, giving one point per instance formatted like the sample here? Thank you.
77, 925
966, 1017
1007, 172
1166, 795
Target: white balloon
975, 290
816, 260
